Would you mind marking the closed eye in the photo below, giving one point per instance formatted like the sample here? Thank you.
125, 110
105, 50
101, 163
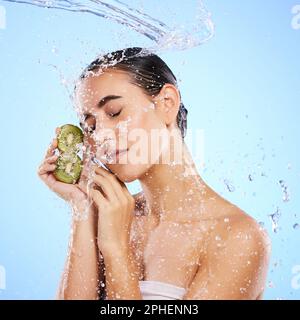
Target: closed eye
114, 114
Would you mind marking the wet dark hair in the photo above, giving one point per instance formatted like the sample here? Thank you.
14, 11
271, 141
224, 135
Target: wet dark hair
146, 70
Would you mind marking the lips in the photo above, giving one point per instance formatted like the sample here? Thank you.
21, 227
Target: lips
117, 153
120, 152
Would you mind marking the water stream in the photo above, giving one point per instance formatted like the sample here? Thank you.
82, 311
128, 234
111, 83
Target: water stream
165, 37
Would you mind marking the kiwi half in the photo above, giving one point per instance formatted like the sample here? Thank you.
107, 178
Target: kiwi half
69, 137
69, 164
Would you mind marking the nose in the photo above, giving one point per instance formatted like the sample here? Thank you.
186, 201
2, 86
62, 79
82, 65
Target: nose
105, 137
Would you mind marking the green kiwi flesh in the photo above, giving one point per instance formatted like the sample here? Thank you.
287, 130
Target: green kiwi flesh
69, 138
69, 164
68, 168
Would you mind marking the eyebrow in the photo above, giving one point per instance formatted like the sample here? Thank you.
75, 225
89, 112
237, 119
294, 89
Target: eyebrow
102, 102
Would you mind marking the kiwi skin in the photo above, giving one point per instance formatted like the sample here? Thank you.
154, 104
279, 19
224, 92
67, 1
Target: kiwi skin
69, 164
69, 137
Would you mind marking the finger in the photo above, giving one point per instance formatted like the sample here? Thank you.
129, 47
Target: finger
110, 177
85, 178
89, 186
51, 159
106, 186
125, 190
98, 198
57, 130
114, 181
83, 183
45, 168
51, 148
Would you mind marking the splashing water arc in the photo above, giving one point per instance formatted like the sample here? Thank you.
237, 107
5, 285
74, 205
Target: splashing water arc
165, 37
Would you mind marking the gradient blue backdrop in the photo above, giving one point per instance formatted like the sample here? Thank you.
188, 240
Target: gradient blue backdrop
241, 88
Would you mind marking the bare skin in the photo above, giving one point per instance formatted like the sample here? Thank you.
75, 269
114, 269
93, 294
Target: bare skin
180, 231
83, 264
178, 260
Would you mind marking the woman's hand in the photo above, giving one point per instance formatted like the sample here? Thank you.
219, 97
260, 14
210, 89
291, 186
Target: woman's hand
115, 211
76, 194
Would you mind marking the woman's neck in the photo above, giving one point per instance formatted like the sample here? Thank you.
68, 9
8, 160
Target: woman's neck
174, 191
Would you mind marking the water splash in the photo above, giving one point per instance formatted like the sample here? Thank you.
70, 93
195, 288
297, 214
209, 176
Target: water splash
274, 219
166, 37
284, 188
296, 226
261, 224
229, 185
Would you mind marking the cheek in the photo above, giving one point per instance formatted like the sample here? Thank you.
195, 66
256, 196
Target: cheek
145, 119
144, 127
138, 127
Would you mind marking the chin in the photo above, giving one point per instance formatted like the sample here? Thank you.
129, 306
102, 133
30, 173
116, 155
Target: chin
127, 172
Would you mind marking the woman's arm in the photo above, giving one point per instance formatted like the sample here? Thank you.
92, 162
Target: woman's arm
122, 281
115, 215
83, 271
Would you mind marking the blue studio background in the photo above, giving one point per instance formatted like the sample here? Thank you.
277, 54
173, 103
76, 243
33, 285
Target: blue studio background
241, 88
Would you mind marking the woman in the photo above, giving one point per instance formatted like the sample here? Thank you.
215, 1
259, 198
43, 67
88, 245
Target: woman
177, 239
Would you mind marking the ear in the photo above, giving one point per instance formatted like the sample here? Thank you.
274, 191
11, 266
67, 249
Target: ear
168, 102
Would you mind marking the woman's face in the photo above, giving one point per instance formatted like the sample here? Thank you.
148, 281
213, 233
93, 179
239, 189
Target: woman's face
124, 120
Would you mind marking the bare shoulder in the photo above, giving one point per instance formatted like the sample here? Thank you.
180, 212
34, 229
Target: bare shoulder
240, 232
245, 227
236, 256
230, 220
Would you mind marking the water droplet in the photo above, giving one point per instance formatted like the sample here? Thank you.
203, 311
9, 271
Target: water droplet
262, 224
229, 185
54, 50
284, 188
263, 174
271, 284
274, 219
243, 290
296, 226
